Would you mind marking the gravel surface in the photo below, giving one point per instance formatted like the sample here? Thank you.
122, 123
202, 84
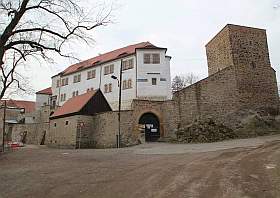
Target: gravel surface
238, 168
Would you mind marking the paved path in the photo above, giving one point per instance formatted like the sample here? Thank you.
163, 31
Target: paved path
233, 169
166, 148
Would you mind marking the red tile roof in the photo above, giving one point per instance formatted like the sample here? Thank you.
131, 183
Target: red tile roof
74, 104
47, 91
28, 106
122, 52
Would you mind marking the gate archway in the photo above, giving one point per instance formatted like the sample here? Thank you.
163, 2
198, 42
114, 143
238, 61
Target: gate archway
152, 126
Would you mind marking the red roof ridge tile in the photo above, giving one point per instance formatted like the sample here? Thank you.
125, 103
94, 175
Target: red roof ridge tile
106, 57
74, 105
28, 106
47, 91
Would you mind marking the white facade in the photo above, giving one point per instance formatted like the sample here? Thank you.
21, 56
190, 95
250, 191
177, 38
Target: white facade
140, 76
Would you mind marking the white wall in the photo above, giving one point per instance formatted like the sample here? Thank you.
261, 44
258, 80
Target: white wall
161, 91
127, 95
145, 90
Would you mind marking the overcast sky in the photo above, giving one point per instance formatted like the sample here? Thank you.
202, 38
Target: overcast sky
182, 26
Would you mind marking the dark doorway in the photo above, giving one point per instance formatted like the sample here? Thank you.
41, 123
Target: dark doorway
152, 127
43, 138
9, 134
23, 137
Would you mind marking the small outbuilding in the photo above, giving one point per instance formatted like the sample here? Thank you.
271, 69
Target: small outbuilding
71, 125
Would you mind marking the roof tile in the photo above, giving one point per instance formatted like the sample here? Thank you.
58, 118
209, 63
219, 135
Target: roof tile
126, 51
28, 106
47, 91
74, 105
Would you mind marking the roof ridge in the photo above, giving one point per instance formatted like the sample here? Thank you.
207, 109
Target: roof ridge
106, 57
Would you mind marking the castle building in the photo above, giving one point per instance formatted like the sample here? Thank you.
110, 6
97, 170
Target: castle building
145, 75
241, 83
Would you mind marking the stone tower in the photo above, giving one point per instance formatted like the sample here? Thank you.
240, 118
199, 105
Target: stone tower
245, 49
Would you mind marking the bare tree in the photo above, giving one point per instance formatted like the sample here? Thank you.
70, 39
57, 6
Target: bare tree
181, 81
39, 29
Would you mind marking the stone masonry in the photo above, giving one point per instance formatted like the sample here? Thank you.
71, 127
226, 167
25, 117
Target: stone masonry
241, 83
240, 78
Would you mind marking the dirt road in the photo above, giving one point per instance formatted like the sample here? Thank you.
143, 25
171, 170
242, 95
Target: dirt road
245, 169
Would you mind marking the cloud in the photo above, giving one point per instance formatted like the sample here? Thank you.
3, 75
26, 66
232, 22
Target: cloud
183, 26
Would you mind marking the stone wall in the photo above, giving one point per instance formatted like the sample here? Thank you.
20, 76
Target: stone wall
106, 129
215, 96
34, 133
241, 79
167, 113
256, 79
63, 132
36, 124
218, 52
98, 131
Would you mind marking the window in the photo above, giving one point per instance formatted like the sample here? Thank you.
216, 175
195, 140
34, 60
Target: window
109, 69
152, 58
63, 97
106, 70
106, 88
154, 81
110, 87
127, 84
90, 89
67, 122
156, 59
162, 79
75, 93
91, 74
57, 83
147, 58
54, 124
64, 82
124, 85
77, 78
127, 64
